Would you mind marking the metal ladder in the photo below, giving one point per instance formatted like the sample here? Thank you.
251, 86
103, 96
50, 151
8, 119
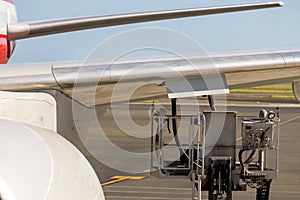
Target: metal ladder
198, 172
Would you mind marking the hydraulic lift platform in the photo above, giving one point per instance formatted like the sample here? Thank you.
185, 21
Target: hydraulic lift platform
204, 148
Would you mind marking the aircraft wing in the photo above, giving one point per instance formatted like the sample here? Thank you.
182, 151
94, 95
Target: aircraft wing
32, 29
105, 82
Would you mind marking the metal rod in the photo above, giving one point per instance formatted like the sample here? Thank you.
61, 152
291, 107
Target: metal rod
220, 182
262, 159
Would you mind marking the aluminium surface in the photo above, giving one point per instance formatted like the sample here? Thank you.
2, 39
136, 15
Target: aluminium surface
102, 79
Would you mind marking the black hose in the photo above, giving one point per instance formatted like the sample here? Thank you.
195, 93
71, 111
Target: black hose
174, 126
212, 103
241, 159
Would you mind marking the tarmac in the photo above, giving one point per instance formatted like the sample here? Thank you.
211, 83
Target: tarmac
123, 184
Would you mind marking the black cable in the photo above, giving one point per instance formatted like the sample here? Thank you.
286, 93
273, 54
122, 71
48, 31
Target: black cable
251, 179
251, 157
168, 125
241, 159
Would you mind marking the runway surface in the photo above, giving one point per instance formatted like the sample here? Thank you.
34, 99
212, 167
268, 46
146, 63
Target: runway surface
148, 187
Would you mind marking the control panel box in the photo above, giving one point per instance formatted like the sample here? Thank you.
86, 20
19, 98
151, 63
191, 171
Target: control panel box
257, 134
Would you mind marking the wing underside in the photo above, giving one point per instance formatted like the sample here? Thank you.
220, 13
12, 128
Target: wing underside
102, 83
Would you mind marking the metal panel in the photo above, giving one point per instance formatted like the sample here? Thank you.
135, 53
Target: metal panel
202, 85
221, 134
38, 109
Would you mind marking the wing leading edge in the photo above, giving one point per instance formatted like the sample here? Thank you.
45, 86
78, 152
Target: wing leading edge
95, 83
39, 28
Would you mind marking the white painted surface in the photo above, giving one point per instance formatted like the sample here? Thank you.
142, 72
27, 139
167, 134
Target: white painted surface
38, 164
8, 14
38, 109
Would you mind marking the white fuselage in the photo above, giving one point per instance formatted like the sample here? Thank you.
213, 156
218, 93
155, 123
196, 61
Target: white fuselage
36, 162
